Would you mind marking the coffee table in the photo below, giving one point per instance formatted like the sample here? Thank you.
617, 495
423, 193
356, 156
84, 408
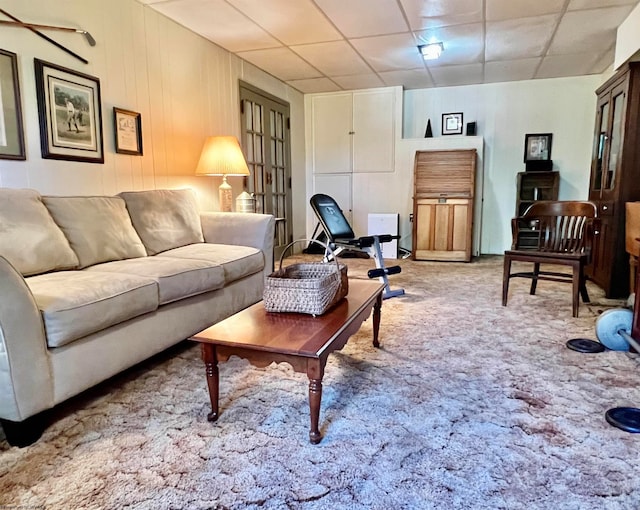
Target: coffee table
303, 341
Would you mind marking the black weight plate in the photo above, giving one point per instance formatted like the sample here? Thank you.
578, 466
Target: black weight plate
585, 345
625, 418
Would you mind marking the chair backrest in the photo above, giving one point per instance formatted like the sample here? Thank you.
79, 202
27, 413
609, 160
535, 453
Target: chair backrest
331, 217
564, 226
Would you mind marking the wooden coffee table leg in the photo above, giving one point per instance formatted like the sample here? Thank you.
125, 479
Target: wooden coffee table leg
211, 363
376, 320
315, 372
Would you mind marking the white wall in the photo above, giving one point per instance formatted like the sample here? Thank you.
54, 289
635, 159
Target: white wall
185, 87
504, 113
628, 39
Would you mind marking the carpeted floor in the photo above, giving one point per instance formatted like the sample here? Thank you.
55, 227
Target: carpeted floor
467, 405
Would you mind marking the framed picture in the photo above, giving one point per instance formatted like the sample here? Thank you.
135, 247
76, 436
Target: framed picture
452, 123
128, 129
537, 147
11, 130
70, 114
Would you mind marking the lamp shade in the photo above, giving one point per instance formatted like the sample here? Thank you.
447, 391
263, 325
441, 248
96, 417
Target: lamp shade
222, 155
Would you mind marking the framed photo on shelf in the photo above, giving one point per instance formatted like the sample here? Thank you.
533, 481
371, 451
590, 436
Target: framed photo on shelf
537, 147
128, 130
452, 123
11, 128
70, 114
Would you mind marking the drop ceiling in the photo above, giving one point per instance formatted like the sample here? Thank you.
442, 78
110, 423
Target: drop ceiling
330, 45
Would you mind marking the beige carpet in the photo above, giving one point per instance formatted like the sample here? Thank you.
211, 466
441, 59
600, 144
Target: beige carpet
468, 405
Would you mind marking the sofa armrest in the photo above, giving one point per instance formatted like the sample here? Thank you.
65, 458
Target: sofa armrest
26, 385
244, 229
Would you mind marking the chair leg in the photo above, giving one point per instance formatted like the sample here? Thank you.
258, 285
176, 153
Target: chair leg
534, 279
506, 275
583, 286
575, 283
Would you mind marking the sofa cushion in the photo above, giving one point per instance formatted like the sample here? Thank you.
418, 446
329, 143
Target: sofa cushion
77, 303
237, 261
176, 278
29, 238
164, 219
99, 229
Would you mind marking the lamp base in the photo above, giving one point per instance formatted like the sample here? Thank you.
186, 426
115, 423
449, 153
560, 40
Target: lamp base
225, 194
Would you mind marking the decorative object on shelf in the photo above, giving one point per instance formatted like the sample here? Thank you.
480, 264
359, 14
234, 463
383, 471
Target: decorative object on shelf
222, 155
11, 130
246, 203
128, 131
452, 123
537, 147
70, 114
428, 133
32, 27
471, 128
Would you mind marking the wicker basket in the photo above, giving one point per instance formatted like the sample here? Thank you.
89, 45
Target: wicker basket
307, 287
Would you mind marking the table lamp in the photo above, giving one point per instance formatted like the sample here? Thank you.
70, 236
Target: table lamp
222, 155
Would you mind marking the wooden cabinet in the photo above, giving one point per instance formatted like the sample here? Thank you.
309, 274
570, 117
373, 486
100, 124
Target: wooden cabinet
354, 131
531, 187
443, 196
615, 176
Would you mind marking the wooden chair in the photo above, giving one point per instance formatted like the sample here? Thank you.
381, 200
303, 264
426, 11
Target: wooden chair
563, 234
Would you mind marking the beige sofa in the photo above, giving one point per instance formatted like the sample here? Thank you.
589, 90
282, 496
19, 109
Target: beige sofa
93, 285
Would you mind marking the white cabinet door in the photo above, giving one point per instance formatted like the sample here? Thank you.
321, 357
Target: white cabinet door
374, 131
331, 133
337, 187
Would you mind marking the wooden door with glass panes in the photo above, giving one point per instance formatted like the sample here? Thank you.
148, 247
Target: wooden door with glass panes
265, 140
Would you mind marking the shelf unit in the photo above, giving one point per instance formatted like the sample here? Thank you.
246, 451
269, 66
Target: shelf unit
532, 187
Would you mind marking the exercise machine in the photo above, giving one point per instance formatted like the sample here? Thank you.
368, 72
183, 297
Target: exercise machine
341, 237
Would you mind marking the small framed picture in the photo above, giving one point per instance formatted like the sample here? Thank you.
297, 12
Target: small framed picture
452, 123
537, 147
11, 130
128, 130
70, 114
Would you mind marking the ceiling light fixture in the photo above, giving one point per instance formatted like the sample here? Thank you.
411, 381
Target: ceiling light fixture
431, 51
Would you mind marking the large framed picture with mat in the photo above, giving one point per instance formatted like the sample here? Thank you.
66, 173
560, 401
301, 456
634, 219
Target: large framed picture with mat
70, 114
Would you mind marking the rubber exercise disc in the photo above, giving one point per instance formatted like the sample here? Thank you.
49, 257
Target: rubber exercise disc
609, 324
585, 345
625, 418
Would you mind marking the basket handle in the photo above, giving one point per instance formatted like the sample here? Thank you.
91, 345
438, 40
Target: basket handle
325, 246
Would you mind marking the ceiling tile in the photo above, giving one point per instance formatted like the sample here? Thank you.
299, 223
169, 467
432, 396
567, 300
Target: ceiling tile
314, 85
365, 18
298, 22
519, 38
218, 21
457, 75
498, 10
510, 70
594, 4
358, 81
567, 65
604, 62
389, 52
281, 62
441, 13
416, 79
591, 30
333, 58
463, 44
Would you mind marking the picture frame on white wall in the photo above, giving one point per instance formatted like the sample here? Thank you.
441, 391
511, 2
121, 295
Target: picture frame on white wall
452, 123
69, 110
11, 127
128, 131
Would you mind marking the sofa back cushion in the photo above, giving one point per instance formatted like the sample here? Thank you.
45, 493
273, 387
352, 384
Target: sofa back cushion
164, 219
99, 229
29, 238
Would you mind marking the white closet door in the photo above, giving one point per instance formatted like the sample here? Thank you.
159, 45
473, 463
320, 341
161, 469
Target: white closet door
374, 131
331, 133
337, 187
